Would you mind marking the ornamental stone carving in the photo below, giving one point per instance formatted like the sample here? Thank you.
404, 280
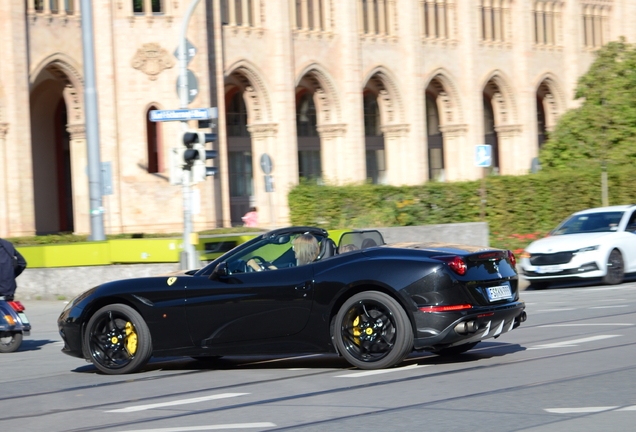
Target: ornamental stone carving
151, 59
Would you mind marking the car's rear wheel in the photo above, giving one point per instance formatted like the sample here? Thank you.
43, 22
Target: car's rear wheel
458, 349
615, 272
372, 331
10, 341
118, 340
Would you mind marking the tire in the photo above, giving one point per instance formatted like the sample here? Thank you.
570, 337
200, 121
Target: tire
458, 349
118, 340
539, 286
372, 331
615, 271
10, 341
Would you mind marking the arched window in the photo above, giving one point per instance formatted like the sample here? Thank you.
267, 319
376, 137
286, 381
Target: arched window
309, 164
490, 135
236, 117
540, 122
374, 140
435, 141
153, 140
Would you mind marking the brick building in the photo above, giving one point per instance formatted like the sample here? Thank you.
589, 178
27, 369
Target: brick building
395, 91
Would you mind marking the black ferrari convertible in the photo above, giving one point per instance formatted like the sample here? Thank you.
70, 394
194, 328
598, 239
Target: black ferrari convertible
370, 302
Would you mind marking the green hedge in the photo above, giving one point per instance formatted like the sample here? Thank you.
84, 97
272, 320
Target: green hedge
517, 208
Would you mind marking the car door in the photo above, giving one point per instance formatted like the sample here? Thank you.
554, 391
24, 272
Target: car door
254, 306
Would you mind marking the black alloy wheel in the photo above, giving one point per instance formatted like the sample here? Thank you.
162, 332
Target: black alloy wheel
10, 341
458, 349
372, 331
118, 340
615, 272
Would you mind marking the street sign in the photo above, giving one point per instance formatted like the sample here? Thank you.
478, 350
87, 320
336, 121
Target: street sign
184, 114
191, 51
269, 183
483, 155
266, 163
193, 86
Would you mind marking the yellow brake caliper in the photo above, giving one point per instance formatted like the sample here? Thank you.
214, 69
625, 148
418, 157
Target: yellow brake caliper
131, 338
356, 330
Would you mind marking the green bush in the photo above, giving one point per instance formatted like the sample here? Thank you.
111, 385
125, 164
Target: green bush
518, 209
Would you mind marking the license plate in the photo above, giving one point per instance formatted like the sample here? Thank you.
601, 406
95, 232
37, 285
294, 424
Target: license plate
23, 318
549, 269
499, 292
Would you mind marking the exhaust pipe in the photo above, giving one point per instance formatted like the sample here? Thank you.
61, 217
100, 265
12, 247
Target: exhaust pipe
466, 327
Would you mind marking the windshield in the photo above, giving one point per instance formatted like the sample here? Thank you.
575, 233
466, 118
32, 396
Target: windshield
590, 222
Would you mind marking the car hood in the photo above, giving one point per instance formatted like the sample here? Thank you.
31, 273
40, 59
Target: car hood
567, 242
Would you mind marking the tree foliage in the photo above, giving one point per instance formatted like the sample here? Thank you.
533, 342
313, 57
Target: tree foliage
603, 129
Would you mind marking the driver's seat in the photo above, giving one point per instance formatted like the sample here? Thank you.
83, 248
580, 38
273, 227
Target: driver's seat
327, 249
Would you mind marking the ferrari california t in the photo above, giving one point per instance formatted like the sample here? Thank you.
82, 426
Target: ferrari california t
370, 302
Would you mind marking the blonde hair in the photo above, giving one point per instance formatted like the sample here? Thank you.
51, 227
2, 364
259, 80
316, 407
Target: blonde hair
306, 249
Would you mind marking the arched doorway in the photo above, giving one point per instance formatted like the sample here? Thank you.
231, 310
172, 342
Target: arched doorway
240, 166
309, 163
373, 138
434, 139
490, 134
50, 145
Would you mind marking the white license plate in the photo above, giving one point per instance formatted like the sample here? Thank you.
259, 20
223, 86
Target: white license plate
499, 292
549, 269
23, 318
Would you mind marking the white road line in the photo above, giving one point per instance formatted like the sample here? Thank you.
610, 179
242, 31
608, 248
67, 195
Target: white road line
573, 342
591, 325
177, 402
380, 371
282, 359
629, 408
554, 310
209, 427
581, 410
608, 307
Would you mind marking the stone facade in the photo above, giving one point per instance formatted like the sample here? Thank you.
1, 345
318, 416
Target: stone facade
492, 71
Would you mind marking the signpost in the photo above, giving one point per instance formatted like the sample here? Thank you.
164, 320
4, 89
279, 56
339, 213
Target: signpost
183, 114
267, 166
483, 158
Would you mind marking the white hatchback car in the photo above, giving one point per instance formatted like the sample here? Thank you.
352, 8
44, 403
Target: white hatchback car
595, 243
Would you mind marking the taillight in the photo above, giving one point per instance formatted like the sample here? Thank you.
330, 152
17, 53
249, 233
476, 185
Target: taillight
512, 258
16, 305
445, 308
455, 263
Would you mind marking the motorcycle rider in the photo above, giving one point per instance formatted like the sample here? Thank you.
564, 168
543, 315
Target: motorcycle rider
12, 264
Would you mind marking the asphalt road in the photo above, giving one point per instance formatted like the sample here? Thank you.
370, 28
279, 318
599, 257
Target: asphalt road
571, 366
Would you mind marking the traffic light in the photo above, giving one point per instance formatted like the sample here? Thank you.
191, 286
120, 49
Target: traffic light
191, 157
199, 169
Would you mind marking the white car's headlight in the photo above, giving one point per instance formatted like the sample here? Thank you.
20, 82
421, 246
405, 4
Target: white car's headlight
587, 249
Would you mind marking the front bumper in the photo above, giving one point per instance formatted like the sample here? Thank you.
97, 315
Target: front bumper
436, 330
561, 271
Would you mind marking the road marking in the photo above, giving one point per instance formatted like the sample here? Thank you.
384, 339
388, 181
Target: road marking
629, 408
581, 410
380, 371
208, 428
608, 307
282, 359
581, 325
573, 342
177, 402
554, 310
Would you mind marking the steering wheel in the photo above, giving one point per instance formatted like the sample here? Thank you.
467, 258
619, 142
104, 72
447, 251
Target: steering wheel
259, 261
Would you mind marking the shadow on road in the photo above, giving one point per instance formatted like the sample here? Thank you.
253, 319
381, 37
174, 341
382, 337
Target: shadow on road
34, 345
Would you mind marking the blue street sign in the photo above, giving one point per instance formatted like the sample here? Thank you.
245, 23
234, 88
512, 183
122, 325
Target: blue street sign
483, 155
183, 114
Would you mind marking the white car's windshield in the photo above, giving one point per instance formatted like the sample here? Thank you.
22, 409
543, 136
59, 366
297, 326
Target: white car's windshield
590, 222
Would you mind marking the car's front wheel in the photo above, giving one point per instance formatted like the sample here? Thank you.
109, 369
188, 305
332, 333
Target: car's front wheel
118, 340
615, 272
372, 331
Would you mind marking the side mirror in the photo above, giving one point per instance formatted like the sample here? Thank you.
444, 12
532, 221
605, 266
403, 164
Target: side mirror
220, 271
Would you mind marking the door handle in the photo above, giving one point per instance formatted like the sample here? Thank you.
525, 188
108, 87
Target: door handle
303, 287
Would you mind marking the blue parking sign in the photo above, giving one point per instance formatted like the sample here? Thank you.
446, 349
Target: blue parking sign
483, 155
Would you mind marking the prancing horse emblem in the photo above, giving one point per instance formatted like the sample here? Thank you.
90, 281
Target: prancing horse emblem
171, 280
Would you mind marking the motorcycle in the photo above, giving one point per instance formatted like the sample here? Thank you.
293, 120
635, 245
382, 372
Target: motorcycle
13, 325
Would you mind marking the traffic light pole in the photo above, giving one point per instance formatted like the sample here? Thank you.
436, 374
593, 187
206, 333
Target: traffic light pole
190, 261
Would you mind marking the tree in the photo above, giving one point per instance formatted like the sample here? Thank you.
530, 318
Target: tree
603, 129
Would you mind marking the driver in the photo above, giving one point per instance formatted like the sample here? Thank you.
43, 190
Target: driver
305, 248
